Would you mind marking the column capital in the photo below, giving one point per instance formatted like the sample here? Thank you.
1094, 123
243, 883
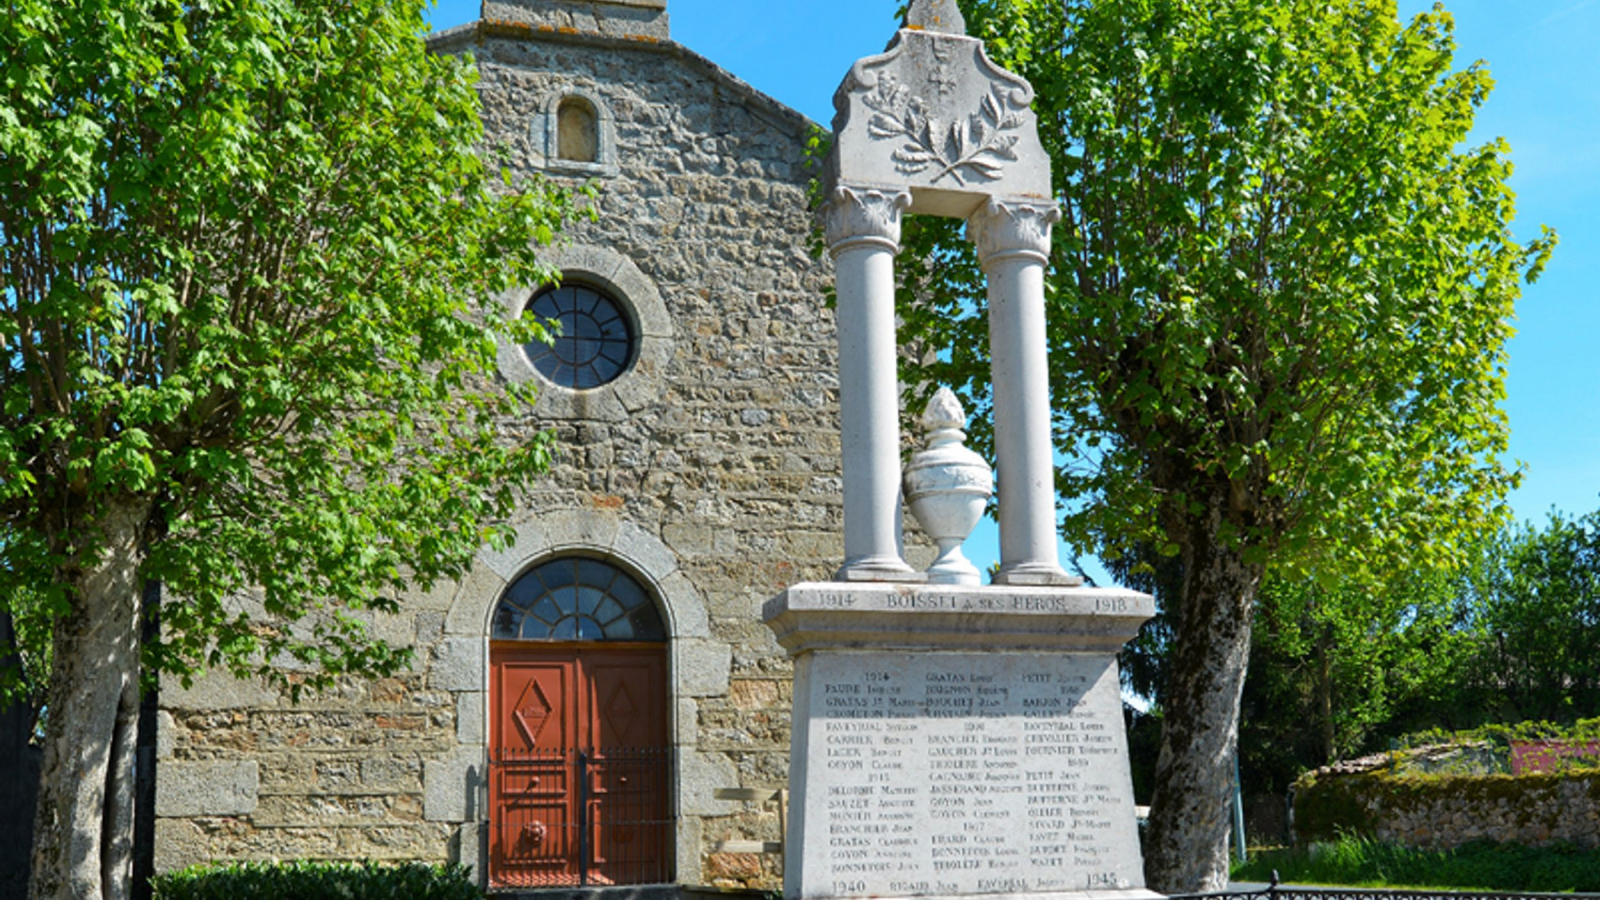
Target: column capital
1004, 229
853, 216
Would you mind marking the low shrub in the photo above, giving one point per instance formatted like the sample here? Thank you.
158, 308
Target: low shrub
1361, 862
317, 881
1502, 737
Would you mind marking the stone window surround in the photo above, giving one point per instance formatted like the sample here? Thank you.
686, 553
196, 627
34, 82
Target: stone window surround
545, 139
642, 383
698, 666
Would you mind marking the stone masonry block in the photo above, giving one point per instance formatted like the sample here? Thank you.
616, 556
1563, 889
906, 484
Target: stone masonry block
470, 847
644, 388
689, 617
481, 589
438, 597
217, 690
689, 831
703, 668
458, 665
209, 788
645, 551
470, 718
397, 630
179, 844
700, 775
688, 722
599, 405
165, 738
450, 786
532, 539
578, 528
689, 538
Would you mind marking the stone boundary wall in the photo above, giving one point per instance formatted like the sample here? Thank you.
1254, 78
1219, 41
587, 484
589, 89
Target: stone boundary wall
1440, 813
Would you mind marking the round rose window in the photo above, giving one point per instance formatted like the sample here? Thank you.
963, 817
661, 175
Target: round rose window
595, 341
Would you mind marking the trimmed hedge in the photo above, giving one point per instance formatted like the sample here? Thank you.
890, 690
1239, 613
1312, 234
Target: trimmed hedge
317, 881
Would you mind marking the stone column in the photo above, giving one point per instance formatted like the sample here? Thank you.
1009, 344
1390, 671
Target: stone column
1013, 242
863, 233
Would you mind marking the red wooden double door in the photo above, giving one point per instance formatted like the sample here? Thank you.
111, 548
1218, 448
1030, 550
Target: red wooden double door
580, 765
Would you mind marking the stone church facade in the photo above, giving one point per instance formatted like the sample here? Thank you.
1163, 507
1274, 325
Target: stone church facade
698, 475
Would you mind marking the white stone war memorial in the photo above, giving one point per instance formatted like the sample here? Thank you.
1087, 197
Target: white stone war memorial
951, 739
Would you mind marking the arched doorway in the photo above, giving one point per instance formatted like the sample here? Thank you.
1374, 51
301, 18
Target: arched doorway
580, 760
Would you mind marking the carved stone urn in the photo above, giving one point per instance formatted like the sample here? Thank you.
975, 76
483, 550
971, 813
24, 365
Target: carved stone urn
947, 487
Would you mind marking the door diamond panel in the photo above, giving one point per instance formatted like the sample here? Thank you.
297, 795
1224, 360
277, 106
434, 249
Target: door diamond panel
621, 713
532, 712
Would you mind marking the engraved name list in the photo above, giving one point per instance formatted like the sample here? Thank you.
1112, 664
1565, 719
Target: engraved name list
961, 773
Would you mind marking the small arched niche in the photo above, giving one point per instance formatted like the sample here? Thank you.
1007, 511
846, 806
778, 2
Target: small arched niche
574, 133
577, 131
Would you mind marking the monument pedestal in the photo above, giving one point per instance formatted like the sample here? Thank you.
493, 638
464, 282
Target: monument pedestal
951, 741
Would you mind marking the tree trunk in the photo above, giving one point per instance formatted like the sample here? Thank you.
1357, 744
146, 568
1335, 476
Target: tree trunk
82, 834
1186, 847
1325, 694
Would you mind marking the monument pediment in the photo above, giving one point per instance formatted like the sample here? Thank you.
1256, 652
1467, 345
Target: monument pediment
934, 114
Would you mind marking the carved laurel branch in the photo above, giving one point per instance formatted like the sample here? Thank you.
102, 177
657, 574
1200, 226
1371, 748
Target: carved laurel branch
982, 143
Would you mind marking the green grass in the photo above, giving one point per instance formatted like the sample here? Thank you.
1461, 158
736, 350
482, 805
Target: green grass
1359, 862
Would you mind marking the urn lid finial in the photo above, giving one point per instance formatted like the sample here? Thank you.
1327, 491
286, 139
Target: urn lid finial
944, 419
942, 16
944, 411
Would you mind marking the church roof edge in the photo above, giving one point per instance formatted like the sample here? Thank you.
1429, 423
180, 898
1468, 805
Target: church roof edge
461, 37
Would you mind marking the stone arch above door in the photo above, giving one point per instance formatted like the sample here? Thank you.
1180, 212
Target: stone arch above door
583, 532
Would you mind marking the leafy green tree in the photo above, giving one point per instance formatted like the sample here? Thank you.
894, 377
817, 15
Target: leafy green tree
1336, 671
241, 248
1533, 599
1278, 304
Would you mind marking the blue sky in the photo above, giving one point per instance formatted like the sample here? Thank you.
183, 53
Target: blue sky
1545, 56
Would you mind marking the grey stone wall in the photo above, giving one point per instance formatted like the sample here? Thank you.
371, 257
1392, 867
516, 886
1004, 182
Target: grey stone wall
711, 471
1445, 811
1529, 810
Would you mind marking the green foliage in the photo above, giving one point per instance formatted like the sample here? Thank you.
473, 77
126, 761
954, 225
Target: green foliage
1421, 659
1503, 736
317, 881
1533, 601
1281, 289
1361, 862
1328, 807
1332, 669
245, 249
1144, 749
25, 651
